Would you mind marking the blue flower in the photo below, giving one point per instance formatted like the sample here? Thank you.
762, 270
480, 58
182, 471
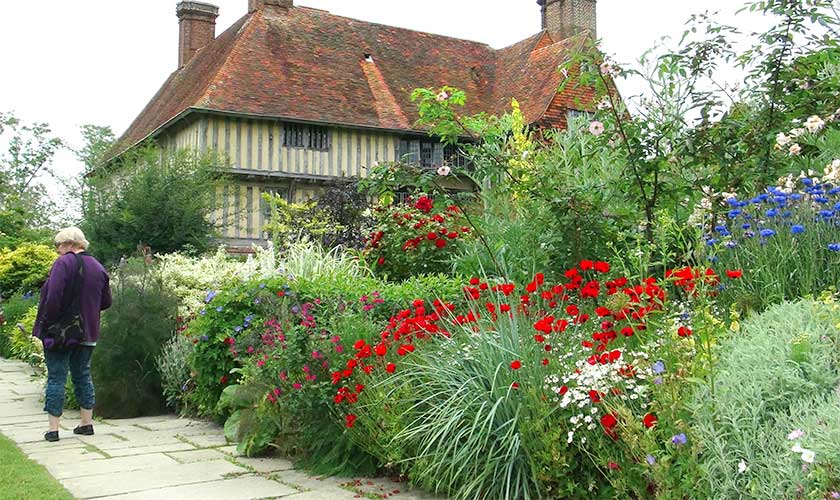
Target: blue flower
27, 295
821, 199
763, 196
658, 367
746, 226
202, 312
733, 213
257, 300
249, 318
650, 459
262, 285
722, 230
209, 297
204, 338
712, 258
834, 190
837, 206
731, 244
766, 233
825, 214
219, 309
711, 242
797, 229
771, 213
796, 196
657, 380
786, 214
748, 234
834, 247
237, 329
808, 182
679, 439
295, 309
732, 202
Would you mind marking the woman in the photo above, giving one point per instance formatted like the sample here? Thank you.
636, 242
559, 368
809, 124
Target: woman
56, 294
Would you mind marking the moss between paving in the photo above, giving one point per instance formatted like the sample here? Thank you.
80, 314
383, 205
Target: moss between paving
23, 478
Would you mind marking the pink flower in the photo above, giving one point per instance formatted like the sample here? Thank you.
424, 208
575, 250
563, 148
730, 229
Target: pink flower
596, 128
296, 385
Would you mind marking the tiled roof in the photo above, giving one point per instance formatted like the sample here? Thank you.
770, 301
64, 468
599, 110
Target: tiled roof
309, 65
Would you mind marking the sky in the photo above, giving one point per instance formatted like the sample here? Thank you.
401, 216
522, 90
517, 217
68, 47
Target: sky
70, 63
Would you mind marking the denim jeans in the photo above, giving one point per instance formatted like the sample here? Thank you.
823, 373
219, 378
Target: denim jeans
78, 361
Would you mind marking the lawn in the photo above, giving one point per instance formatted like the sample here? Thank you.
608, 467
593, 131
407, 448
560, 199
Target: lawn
23, 478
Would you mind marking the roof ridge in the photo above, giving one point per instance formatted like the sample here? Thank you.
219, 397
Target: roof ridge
396, 27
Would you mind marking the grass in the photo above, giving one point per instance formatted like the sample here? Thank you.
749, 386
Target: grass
23, 478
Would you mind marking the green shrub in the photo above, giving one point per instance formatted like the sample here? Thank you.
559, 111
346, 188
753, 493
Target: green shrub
163, 202
134, 331
25, 268
779, 374
173, 366
12, 310
23, 345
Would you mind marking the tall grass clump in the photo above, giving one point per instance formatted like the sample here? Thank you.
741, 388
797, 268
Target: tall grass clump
750, 424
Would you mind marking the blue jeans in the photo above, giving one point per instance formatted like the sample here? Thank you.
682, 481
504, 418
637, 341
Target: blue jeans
78, 361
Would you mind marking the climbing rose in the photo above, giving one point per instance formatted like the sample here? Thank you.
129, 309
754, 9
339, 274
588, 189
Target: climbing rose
596, 128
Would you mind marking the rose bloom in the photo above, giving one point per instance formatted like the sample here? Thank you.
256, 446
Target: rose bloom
596, 128
444, 170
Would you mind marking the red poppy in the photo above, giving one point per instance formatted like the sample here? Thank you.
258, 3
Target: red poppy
350, 419
586, 265
649, 420
602, 267
440, 243
563, 390
380, 261
380, 349
431, 236
390, 367
545, 361
734, 274
613, 466
474, 281
609, 422
452, 235
516, 364
515, 385
684, 331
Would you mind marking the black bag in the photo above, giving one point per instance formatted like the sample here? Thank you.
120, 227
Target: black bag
69, 330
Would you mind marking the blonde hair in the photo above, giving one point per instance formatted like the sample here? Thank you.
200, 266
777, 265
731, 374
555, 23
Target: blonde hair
72, 235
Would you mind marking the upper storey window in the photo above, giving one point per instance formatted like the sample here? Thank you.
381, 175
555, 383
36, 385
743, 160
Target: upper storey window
296, 135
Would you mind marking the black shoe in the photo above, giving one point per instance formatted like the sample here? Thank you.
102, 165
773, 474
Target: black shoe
84, 430
51, 436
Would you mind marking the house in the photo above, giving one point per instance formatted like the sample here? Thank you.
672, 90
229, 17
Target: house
294, 97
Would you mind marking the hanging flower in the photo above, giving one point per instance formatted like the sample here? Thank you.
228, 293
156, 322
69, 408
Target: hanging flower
444, 170
596, 128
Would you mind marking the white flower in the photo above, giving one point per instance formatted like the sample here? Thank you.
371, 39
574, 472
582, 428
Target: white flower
606, 68
794, 149
596, 128
797, 132
444, 170
604, 103
808, 456
814, 124
742, 467
442, 96
571, 436
796, 448
782, 139
795, 434
564, 72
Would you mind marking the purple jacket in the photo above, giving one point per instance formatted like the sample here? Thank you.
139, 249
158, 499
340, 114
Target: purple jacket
95, 291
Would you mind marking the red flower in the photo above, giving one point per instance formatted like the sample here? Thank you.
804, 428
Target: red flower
474, 281
452, 235
649, 420
380, 261
516, 365
684, 331
380, 349
734, 274
609, 422
431, 236
545, 361
515, 385
350, 419
424, 204
223, 380
440, 243
390, 367
586, 265
563, 390
594, 396
613, 466
602, 267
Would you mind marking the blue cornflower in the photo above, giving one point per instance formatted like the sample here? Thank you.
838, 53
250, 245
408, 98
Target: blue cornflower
679, 439
657, 381
796, 196
786, 214
262, 285
202, 312
837, 206
834, 190
766, 233
658, 367
295, 309
825, 214
821, 199
808, 182
209, 297
27, 295
650, 459
722, 230
731, 244
763, 196
711, 242
834, 247
748, 234
237, 329
257, 300
746, 225
771, 213
780, 199
204, 338
249, 318
733, 213
712, 258
219, 309
732, 202
797, 229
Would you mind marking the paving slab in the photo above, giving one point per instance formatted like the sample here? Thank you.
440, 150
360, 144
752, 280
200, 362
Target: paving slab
325, 494
111, 465
264, 465
144, 450
190, 456
159, 477
240, 488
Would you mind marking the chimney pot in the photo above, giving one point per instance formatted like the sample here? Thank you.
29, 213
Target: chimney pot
259, 4
197, 28
565, 18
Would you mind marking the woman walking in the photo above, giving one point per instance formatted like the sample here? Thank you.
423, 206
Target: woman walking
68, 325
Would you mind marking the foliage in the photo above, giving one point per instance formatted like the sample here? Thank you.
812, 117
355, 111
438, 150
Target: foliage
23, 478
160, 201
24, 204
138, 324
419, 238
789, 399
305, 259
174, 369
12, 311
289, 222
25, 268
344, 204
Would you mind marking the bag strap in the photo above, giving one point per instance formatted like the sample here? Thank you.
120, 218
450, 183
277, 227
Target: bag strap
77, 283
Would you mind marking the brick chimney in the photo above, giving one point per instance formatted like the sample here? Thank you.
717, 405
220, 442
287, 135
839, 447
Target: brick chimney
565, 18
197, 22
259, 4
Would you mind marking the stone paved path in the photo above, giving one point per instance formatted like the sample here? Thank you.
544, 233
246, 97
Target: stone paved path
160, 457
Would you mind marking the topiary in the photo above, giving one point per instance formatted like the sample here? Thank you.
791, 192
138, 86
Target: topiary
25, 268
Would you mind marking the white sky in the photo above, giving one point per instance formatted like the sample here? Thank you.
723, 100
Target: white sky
72, 62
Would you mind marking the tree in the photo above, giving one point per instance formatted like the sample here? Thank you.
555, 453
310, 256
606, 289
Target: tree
26, 158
